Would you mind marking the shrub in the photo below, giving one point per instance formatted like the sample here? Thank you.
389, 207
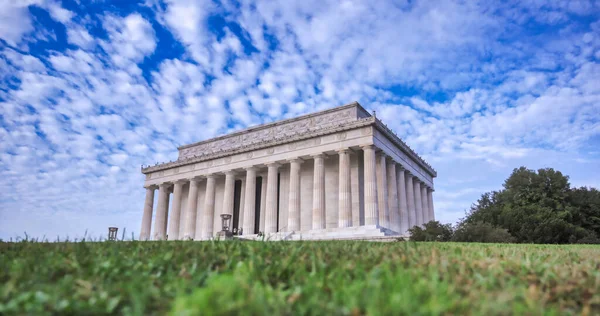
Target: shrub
432, 231
481, 232
590, 239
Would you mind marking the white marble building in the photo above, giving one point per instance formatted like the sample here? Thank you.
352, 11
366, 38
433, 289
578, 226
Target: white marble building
335, 174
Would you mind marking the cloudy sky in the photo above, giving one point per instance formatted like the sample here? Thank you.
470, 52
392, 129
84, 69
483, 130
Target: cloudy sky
90, 90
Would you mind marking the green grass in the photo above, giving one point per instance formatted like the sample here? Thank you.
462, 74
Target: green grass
325, 278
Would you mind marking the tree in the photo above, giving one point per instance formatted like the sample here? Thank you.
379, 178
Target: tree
586, 208
432, 231
538, 207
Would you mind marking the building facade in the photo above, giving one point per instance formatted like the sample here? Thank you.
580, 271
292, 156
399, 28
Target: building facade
335, 174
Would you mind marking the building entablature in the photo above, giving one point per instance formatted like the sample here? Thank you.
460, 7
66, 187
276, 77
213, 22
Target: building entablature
331, 121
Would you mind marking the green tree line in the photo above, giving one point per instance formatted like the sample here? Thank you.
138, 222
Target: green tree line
533, 207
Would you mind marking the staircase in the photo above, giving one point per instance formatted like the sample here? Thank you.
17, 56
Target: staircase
371, 232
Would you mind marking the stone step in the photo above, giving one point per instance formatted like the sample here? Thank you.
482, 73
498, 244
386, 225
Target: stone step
347, 233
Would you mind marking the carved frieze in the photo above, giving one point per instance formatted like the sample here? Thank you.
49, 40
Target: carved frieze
279, 131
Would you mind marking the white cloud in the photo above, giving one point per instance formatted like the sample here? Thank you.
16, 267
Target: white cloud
78, 35
58, 13
15, 20
463, 83
131, 38
188, 21
25, 62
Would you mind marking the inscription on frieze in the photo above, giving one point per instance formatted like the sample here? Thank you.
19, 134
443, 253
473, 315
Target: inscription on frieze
278, 132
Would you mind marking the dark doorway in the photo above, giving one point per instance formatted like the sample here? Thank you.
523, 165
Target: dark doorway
237, 195
257, 206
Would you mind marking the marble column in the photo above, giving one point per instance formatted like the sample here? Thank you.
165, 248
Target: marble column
403, 205
228, 194
263, 203
345, 192
249, 201
162, 209
418, 203
147, 217
319, 216
393, 196
294, 196
425, 203
271, 207
410, 200
191, 211
370, 186
357, 181
173, 233
242, 202
209, 208
382, 191
167, 213
430, 203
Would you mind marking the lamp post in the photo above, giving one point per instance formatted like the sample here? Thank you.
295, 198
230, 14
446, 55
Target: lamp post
225, 224
112, 233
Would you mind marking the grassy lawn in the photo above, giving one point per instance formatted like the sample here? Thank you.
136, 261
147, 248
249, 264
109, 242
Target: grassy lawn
325, 278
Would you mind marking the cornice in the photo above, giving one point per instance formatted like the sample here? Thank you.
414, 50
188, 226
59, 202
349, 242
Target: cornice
362, 122
276, 141
402, 145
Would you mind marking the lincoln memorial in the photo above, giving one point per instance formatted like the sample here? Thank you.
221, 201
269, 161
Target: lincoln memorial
336, 174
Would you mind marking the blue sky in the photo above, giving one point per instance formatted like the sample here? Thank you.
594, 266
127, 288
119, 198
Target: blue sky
89, 91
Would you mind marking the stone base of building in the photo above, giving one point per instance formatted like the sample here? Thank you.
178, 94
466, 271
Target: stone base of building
224, 235
370, 232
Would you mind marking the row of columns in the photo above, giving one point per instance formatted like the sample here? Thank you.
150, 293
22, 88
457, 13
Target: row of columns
192, 221
393, 198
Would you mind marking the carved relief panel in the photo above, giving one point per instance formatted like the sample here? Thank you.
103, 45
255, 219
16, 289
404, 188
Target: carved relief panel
281, 131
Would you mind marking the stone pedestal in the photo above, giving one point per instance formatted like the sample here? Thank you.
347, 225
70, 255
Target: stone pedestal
224, 235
